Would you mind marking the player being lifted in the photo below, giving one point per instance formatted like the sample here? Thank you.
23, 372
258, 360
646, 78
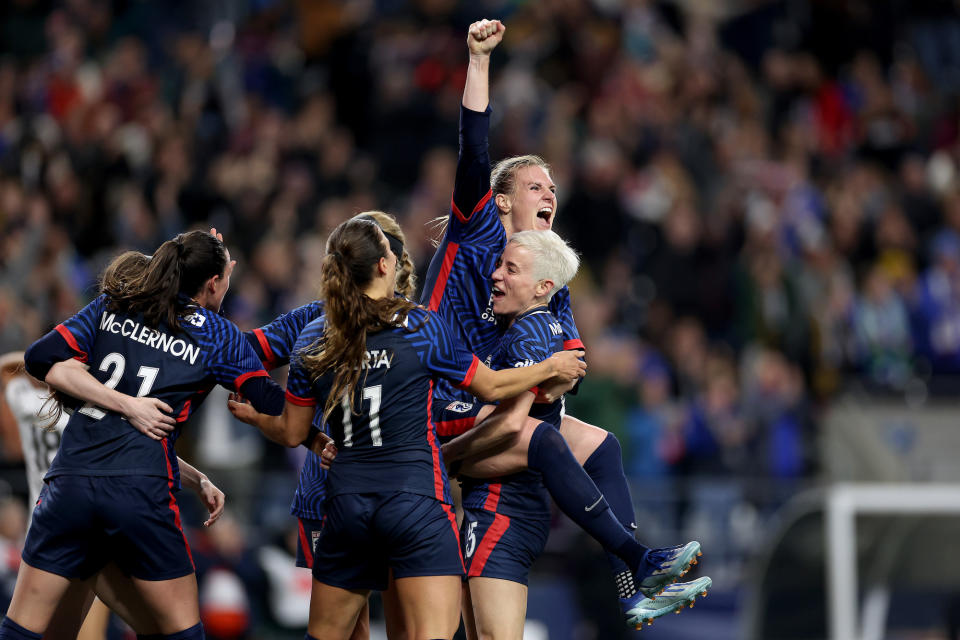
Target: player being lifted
487, 207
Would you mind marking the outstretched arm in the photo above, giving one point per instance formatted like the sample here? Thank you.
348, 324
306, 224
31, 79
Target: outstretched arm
493, 386
482, 38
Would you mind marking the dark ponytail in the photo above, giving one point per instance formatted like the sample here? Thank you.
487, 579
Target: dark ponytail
179, 266
353, 251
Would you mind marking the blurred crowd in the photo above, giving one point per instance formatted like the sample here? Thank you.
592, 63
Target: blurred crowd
765, 194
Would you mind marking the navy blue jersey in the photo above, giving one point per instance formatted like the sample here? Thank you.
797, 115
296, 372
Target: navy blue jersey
458, 284
532, 337
275, 342
178, 367
386, 437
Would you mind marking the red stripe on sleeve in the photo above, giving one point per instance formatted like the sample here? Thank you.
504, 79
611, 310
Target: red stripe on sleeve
490, 539
300, 402
572, 344
479, 205
471, 372
65, 333
268, 357
440, 286
249, 374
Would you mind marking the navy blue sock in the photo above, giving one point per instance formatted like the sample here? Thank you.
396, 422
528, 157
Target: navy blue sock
605, 468
193, 633
149, 636
10, 630
577, 495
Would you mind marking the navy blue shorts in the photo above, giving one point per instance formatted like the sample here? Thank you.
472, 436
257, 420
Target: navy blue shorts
365, 535
499, 546
81, 523
454, 417
308, 532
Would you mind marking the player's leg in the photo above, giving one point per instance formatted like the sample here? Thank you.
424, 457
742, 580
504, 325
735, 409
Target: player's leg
392, 612
173, 604
120, 595
499, 608
95, 624
600, 454
431, 605
71, 612
334, 611
361, 630
466, 613
35, 599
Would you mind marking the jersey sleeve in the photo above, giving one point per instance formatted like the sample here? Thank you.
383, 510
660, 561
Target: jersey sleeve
472, 186
80, 330
440, 352
233, 361
300, 381
274, 342
560, 307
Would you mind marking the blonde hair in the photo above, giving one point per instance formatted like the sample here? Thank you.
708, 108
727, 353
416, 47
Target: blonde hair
553, 258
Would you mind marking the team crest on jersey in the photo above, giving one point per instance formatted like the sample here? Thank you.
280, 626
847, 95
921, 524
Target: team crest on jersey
196, 319
459, 406
314, 536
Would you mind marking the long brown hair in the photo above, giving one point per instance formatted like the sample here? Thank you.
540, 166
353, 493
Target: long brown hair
406, 272
179, 266
353, 251
121, 270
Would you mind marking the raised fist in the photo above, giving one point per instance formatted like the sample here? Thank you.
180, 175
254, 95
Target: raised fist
484, 35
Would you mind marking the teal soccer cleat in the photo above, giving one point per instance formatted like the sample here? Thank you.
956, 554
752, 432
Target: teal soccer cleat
664, 566
674, 598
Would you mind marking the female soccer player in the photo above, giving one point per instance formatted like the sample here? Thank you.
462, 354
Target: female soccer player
371, 364
109, 493
485, 210
274, 343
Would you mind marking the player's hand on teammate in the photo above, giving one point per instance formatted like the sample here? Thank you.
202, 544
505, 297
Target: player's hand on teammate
241, 409
323, 446
569, 365
483, 36
213, 499
150, 416
553, 389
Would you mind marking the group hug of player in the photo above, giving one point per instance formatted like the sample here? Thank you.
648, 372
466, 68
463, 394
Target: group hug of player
468, 384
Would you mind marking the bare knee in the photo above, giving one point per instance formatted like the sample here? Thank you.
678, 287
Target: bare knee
582, 438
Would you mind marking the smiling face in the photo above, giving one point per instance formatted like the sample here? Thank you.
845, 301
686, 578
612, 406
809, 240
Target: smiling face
533, 203
515, 288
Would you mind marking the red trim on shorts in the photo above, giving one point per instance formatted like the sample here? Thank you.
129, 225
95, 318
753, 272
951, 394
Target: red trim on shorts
305, 545
434, 449
66, 335
573, 344
471, 372
173, 503
268, 357
493, 496
448, 257
249, 374
300, 402
185, 413
452, 517
490, 539
455, 427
